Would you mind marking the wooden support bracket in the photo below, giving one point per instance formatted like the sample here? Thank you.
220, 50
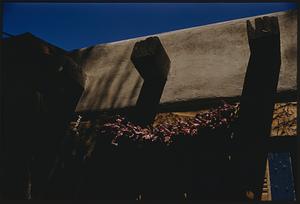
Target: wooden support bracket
152, 62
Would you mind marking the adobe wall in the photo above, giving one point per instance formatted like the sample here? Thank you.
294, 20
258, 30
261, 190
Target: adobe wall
206, 62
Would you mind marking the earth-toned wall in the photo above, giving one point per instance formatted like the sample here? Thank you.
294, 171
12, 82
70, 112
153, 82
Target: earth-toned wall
206, 62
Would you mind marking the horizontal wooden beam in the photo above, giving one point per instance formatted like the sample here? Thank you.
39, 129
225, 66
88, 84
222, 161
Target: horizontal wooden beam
282, 144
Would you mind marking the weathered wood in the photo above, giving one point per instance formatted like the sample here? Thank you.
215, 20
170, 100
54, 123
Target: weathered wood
151, 59
258, 98
153, 64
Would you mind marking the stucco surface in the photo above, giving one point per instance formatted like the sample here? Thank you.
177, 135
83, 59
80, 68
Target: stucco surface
206, 62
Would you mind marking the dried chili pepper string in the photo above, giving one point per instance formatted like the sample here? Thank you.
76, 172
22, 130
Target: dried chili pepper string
165, 132
120, 131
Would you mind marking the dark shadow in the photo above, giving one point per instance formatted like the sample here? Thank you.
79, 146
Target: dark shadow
186, 106
105, 90
257, 102
148, 101
40, 93
153, 64
109, 176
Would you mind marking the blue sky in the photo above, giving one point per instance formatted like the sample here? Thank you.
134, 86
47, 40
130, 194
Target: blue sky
76, 25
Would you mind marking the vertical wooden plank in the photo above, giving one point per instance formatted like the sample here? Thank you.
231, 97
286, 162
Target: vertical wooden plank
257, 102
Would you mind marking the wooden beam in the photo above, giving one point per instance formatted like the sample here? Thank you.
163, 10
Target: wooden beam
257, 102
153, 64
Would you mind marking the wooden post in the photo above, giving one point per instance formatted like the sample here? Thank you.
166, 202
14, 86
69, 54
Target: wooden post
257, 102
152, 62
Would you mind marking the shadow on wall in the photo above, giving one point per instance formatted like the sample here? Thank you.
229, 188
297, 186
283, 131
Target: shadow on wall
106, 90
